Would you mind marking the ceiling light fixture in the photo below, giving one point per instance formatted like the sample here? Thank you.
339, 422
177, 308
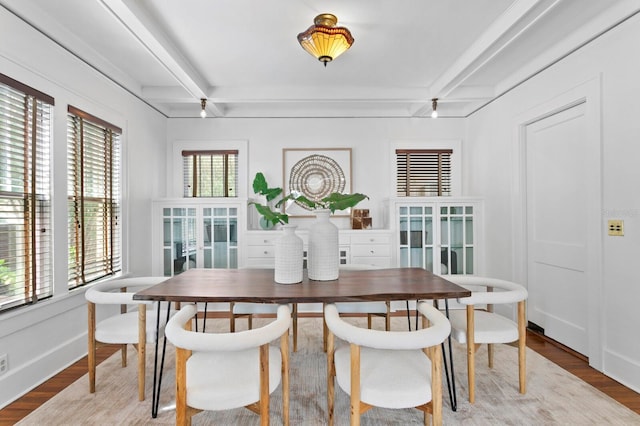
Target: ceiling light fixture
325, 41
203, 103
434, 106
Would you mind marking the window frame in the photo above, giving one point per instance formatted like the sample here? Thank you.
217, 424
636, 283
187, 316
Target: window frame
174, 163
111, 203
455, 145
194, 184
37, 194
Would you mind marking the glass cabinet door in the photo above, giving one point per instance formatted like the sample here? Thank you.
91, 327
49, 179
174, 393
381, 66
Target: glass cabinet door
416, 236
447, 247
179, 236
456, 228
220, 238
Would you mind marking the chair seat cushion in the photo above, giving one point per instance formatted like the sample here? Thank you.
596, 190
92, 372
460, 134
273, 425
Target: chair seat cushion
362, 307
218, 381
489, 327
123, 328
388, 378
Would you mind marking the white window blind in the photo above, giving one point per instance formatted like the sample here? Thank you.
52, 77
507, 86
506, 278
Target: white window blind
93, 187
25, 194
423, 173
210, 173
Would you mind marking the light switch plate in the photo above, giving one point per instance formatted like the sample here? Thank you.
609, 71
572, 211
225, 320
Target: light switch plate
616, 228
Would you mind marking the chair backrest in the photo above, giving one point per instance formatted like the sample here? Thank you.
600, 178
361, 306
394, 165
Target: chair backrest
108, 292
218, 342
377, 339
507, 291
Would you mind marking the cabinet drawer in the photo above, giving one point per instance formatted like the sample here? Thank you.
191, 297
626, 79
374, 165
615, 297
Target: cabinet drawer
262, 240
371, 239
264, 252
383, 262
371, 250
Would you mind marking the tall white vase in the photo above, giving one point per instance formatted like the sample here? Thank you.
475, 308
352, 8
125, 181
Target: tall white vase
322, 256
288, 268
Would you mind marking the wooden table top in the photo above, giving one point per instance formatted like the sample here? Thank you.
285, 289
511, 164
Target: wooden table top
258, 286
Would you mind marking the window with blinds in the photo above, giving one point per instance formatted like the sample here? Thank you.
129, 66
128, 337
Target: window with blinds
210, 173
423, 173
25, 194
93, 164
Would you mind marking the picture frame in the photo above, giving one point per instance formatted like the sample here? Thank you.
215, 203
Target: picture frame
315, 172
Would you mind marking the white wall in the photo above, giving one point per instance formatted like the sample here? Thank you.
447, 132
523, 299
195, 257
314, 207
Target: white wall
371, 142
43, 339
491, 165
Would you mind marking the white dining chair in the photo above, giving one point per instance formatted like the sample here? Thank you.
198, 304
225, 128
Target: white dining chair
478, 323
222, 371
136, 327
389, 369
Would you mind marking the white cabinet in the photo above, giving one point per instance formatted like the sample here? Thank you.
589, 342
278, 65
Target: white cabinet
370, 247
195, 233
442, 234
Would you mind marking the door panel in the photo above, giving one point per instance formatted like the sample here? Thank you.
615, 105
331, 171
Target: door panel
557, 202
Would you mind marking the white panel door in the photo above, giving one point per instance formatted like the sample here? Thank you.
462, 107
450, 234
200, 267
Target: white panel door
557, 226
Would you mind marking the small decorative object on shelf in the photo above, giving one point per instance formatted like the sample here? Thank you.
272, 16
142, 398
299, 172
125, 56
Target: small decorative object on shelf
360, 219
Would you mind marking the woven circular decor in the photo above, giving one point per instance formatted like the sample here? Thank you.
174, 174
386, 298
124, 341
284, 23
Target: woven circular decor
316, 176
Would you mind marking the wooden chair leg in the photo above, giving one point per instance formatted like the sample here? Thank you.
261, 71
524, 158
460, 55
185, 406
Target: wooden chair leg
355, 385
183, 412
436, 385
91, 354
250, 321
369, 321
325, 331
284, 351
331, 374
142, 348
490, 352
295, 327
471, 364
264, 385
522, 347
123, 355
387, 317
232, 319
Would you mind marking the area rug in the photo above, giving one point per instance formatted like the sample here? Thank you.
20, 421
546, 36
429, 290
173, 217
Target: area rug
554, 396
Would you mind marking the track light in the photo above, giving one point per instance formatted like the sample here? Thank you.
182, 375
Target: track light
203, 113
434, 106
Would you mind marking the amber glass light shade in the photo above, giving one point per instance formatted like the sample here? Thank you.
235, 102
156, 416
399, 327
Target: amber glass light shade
324, 40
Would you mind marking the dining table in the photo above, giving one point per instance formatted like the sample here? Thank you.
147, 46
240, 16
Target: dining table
258, 286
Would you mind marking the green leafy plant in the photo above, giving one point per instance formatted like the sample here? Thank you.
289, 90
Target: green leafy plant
333, 202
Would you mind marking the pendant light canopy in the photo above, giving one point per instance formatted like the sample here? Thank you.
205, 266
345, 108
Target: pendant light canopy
324, 40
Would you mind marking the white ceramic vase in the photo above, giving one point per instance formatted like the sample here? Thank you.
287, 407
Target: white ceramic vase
322, 255
288, 268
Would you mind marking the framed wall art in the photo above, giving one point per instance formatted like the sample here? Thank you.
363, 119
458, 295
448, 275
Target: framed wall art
315, 173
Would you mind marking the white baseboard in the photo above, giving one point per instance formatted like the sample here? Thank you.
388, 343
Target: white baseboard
17, 382
622, 369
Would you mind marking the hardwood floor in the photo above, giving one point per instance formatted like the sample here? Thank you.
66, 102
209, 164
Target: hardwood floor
564, 357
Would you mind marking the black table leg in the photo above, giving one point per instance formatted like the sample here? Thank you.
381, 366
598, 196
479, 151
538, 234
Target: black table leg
451, 385
157, 379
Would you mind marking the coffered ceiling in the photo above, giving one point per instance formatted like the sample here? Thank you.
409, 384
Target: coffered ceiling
243, 56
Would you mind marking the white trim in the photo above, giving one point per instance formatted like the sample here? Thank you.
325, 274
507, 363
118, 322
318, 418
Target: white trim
588, 92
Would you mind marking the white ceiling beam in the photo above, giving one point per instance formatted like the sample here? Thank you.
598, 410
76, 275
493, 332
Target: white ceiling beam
519, 17
148, 33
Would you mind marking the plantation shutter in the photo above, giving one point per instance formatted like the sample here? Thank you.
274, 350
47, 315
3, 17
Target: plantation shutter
93, 197
423, 172
210, 173
25, 194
